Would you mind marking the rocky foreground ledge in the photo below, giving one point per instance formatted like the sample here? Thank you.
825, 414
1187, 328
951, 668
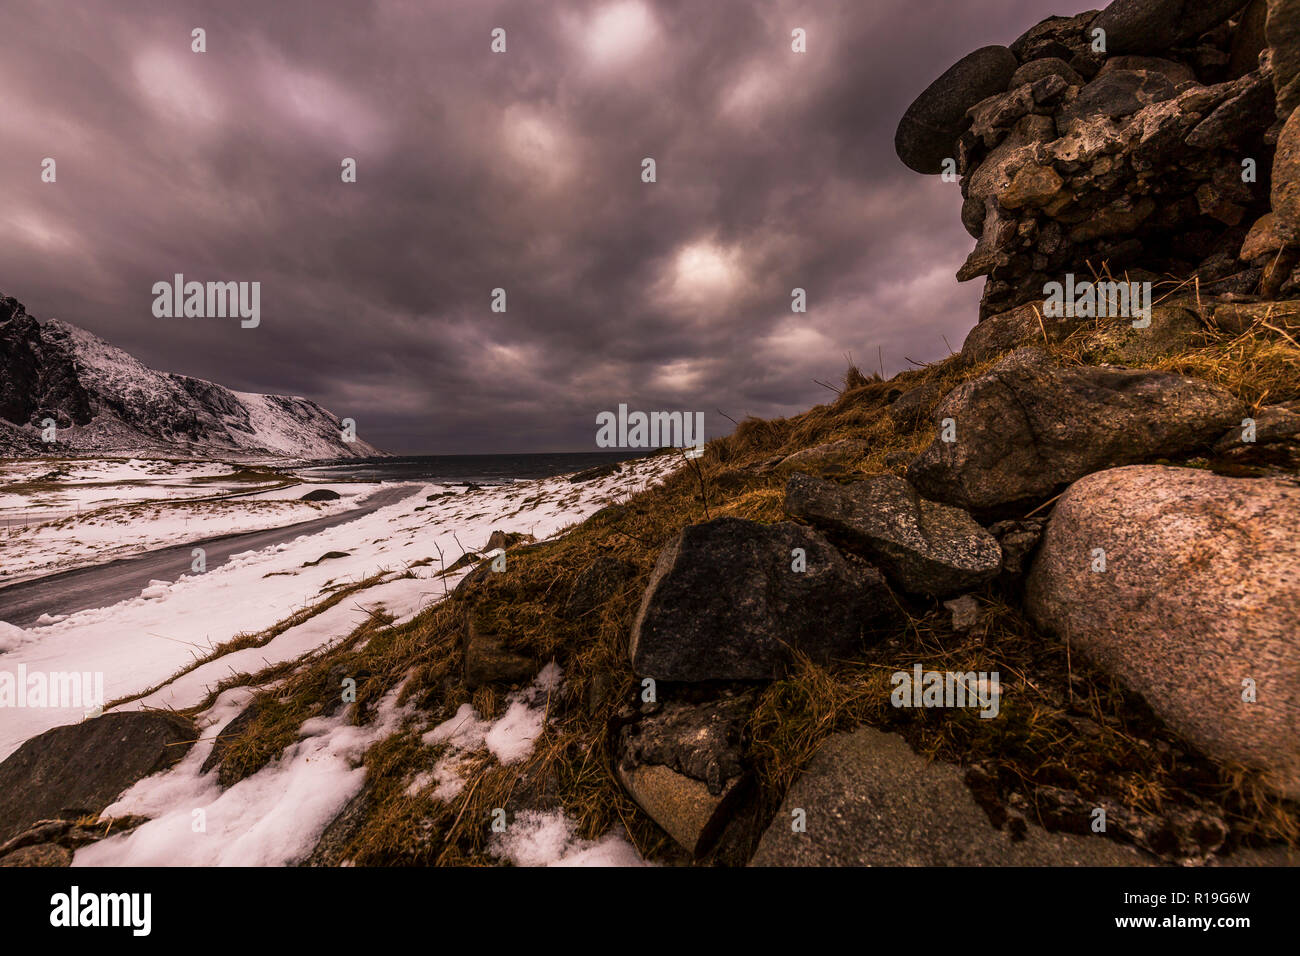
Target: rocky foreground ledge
1038, 604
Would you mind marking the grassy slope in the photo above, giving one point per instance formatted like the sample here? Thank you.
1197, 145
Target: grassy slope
1062, 724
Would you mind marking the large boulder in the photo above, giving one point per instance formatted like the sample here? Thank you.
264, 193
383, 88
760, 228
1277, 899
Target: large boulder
923, 546
1030, 426
928, 132
1286, 182
79, 769
726, 602
1150, 26
869, 800
1199, 601
1282, 31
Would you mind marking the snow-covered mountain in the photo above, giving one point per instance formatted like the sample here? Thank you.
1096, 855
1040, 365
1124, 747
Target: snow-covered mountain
104, 400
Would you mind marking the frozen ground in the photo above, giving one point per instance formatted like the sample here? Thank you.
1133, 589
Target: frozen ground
60, 515
276, 815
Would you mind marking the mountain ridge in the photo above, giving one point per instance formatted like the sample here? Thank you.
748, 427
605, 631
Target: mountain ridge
103, 400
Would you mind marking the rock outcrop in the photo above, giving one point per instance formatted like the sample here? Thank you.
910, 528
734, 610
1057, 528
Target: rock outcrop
1140, 137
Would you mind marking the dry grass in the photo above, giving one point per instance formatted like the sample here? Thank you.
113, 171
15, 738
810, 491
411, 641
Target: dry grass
1062, 724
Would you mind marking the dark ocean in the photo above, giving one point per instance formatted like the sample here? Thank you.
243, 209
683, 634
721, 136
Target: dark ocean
474, 469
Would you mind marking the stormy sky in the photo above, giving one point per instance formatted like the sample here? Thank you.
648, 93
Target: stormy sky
479, 170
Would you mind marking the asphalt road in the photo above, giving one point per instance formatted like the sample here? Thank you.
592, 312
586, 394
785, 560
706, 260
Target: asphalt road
107, 584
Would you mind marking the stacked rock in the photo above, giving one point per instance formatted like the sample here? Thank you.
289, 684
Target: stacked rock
1156, 138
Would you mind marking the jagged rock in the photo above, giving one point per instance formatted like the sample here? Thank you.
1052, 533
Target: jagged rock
1200, 594
1029, 427
1237, 119
1177, 73
599, 471
1150, 26
992, 118
1018, 539
683, 764
725, 603
1055, 37
1035, 70
105, 400
1283, 34
40, 372
488, 661
929, 129
334, 841
1116, 94
846, 450
1034, 186
1286, 182
869, 800
1262, 241
995, 245
79, 769
923, 546
914, 405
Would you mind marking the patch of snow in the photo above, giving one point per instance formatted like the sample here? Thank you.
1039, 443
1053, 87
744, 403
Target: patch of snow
536, 838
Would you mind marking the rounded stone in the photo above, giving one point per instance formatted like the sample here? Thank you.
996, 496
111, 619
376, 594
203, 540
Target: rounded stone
929, 129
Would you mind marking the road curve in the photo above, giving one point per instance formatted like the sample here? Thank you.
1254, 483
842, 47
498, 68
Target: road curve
104, 585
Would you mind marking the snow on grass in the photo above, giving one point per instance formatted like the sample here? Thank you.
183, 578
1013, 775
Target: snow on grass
510, 738
272, 818
140, 643
537, 838
97, 511
315, 633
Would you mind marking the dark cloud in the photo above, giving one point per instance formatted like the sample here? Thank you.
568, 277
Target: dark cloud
478, 171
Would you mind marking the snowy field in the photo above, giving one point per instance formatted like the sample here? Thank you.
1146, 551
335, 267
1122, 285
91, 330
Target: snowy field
275, 815
60, 515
